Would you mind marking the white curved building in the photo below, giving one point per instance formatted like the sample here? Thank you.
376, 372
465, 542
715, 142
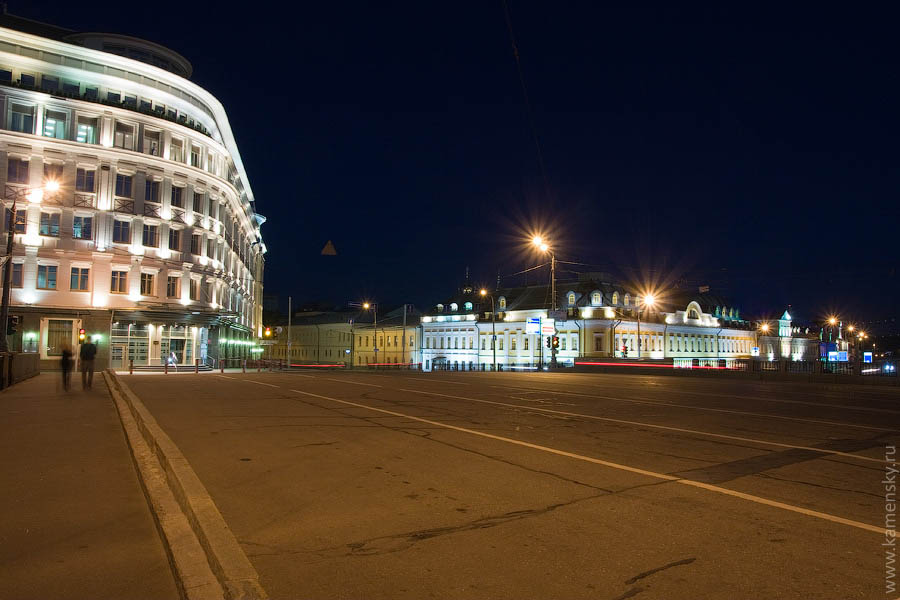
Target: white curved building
152, 244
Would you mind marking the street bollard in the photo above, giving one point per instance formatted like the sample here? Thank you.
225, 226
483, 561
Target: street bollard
222, 365
196, 365
244, 366
258, 366
166, 367
131, 367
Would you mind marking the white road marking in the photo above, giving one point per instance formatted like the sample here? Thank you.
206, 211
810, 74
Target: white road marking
353, 382
707, 408
640, 424
605, 463
261, 383
226, 377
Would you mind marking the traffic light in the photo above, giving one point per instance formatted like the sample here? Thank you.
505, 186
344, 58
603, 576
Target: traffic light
11, 324
548, 341
556, 341
268, 333
625, 351
81, 336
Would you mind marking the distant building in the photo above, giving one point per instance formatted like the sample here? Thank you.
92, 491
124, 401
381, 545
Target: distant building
152, 243
595, 320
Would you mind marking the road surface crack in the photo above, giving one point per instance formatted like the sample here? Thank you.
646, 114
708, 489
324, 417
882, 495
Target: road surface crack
639, 576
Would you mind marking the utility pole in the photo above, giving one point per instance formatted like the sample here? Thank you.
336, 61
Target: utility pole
403, 338
290, 311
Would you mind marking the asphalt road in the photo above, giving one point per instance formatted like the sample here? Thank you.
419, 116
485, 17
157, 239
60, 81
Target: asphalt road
506, 485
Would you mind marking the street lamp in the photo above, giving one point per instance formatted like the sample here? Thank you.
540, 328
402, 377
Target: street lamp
374, 307
764, 328
649, 300
34, 195
493, 326
542, 245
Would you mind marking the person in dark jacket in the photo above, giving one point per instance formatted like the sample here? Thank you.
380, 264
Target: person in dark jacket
66, 365
87, 354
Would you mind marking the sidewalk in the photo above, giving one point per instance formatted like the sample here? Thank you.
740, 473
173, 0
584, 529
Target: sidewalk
75, 521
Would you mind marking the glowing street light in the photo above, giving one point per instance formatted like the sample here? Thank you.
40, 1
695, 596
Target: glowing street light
649, 300
34, 195
484, 293
543, 246
764, 328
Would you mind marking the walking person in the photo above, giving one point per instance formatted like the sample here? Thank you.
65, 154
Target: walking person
87, 354
66, 364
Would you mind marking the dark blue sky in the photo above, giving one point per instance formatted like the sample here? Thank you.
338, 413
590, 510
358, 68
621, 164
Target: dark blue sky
752, 151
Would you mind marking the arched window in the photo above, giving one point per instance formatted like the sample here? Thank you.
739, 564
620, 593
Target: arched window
596, 299
615, 298
692, 314
718, 311
731, 313
724, 312
468, 305
502, 302
440, 308
627, 300
454, 307
570, 298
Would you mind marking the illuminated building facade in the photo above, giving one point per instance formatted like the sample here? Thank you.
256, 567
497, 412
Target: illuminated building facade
152, 244
596, 320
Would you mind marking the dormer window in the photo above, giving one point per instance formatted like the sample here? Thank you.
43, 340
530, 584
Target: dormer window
502, 302
468, 305
570, 298
627, 300
454, 307
692, 314
615, 298
440, 308
596, 299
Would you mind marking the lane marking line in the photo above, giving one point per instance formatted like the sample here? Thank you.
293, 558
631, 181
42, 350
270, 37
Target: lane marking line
641, 424
621, 467
707, 408
226, 377
353, 382
261, 383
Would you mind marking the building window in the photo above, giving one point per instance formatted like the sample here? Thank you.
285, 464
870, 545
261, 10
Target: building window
151, 142
85, 180
53, 172
78, 281
195, 156
49, 224
124, 136
123, 185
17, 275
454, 307
440, 308
122, 232
615, 298
692, 314
525, 343
46, 277
59, 335
175, 239
468, 306
502, 302
571, 298
150, 237
151, 191
501, 343
91, 92
82, 228
596, 299
175, 151
21, 118
627, 300
194, 289
86, 132
177, 196
198, 202
119, 282
173, 287
563, 342
211, 248
55, 124
17, 171
574, 343
196, 240
512, 344
483, 342
147, 281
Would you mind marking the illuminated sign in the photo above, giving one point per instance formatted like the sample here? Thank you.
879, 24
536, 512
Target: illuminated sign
533, 325
867, 357
548, 327
754, 351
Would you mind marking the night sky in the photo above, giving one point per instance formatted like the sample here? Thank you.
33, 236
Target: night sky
751, 151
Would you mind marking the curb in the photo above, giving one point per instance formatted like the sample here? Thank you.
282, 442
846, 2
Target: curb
232, 572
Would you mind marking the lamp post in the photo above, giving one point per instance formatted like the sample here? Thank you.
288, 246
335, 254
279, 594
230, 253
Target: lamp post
34, 195
493, 326
541, 245
374, 307
648, 300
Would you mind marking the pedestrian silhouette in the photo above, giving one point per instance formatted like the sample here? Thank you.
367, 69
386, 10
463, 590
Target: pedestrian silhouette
66, 364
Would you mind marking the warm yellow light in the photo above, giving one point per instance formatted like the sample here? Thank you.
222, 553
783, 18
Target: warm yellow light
537, 241
51, 186
649, 300
850, 328
544, 247
764, 327
832, 321
366, 305
36, 195
484, 292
